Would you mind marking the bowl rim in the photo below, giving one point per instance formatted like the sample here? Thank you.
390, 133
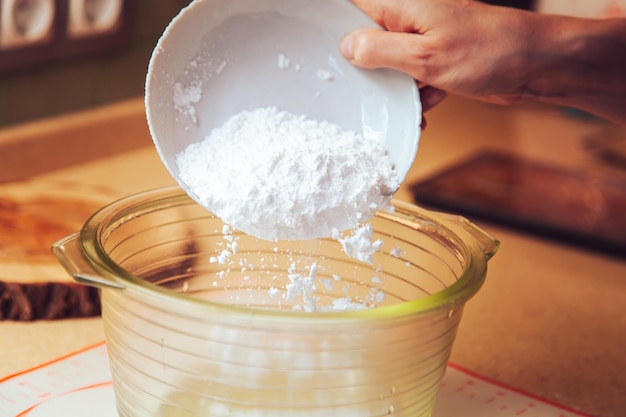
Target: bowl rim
451, 228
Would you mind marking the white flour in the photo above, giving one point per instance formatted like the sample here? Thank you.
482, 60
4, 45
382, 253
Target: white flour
305, 285
185, 98
359, 245
275, 175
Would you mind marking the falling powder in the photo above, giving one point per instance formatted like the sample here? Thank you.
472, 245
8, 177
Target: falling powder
278, 176
325, 75
359, 244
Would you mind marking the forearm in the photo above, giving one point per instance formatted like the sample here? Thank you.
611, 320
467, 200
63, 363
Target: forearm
581, 63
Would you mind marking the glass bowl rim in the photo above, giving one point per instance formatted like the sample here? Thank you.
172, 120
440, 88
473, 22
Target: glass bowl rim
98, 226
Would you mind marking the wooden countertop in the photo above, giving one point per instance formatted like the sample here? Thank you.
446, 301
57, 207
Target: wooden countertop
550, 320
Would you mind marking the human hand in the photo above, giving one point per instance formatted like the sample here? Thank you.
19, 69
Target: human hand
457, 46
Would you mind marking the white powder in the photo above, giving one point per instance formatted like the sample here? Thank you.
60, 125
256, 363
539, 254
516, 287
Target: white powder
275, 175
302, 287
283, 61
222, 258
346, 304
359, 245
397, 252
185, 98
274, 292
221, 67
325, 75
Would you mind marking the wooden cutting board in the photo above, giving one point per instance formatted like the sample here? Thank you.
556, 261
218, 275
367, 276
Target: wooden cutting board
33, 215
71, 160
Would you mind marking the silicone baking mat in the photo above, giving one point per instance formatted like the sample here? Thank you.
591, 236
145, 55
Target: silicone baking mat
79, 385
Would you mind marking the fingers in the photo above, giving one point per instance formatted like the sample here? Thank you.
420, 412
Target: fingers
374, 48
393, 15
373, 8
431, 96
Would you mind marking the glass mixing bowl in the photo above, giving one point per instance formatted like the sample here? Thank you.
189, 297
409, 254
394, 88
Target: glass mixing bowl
201, 320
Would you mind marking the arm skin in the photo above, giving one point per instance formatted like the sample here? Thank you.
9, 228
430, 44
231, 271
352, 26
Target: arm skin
497, 54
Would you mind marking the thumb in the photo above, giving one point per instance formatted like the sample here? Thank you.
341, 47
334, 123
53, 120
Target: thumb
377, 48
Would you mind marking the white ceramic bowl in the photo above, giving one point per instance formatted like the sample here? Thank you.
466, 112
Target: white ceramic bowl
220, 57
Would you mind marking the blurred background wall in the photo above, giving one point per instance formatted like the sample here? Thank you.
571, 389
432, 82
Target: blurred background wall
583, 8
82, 78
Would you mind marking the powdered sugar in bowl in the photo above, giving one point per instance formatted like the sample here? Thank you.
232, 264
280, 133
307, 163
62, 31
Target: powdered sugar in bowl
219, 58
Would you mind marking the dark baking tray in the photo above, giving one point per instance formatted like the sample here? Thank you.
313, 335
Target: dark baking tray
575, 206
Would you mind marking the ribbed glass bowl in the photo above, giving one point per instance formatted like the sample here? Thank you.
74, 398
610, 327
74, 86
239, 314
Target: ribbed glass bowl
193, 330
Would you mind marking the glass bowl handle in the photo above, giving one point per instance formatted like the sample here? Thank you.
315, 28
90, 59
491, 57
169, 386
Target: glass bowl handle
488, 245
70, 254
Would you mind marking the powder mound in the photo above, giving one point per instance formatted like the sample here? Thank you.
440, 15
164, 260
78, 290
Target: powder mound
275, 175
